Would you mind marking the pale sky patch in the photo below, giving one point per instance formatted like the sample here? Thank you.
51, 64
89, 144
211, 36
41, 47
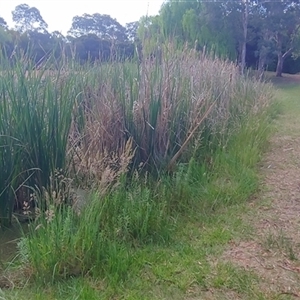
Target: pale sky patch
58, 14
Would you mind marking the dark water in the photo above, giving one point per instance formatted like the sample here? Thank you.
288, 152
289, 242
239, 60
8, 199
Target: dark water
9, 238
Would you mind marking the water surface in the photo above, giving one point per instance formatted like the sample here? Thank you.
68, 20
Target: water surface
9, 238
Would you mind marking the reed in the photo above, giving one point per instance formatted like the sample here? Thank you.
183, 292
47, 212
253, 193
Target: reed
89, 121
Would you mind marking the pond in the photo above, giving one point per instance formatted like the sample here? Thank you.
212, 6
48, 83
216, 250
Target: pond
9, 238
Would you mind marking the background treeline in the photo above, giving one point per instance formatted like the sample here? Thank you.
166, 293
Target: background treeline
254, 33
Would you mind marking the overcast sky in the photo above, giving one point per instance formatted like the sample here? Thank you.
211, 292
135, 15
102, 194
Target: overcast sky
59, 13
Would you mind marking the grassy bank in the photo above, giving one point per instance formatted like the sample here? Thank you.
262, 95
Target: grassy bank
166, 153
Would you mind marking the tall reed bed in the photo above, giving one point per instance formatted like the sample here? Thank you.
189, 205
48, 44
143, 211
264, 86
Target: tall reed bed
107, 129
95, 123
35, 119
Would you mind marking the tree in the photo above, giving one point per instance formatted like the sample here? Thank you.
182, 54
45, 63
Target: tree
3, 23
245, 33
103, 26
239, 17
57, 35
171, 18
150, 37
282, 27
4, 36
28, 19
199, 23
131, 30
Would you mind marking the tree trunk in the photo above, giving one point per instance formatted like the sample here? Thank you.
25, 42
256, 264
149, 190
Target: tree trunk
281, 59
279, 65
261, 63
245, 31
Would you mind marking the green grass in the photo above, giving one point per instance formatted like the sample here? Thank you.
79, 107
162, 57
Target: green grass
289, 94
188, 264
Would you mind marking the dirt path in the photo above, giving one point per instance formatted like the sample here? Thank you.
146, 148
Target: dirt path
273, 251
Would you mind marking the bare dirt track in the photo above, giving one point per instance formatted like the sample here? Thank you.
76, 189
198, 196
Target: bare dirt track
273, 250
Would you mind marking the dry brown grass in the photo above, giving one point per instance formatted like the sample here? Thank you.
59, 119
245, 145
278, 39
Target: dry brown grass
164, 106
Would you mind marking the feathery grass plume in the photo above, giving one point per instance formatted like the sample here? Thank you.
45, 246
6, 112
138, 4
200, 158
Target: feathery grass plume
162, 103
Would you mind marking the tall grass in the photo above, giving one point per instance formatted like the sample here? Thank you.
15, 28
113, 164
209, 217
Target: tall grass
100, 240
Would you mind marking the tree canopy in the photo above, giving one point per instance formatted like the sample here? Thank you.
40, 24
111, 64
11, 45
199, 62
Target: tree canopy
28, 19
3, 23
253, 33
103, 26
281, 26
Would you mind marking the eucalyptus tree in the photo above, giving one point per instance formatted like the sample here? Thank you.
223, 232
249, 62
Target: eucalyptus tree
131, 30
281, 28
245, 18
3, 32
273, 35
103, 26
6, 41
28, 19
3, 23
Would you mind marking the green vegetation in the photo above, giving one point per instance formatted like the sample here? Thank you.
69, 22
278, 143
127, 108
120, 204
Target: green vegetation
165, 152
